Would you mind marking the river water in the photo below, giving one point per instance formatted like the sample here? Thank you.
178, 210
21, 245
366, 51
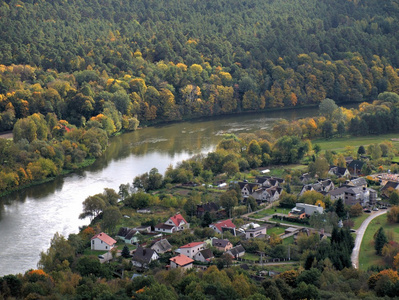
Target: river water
29, 218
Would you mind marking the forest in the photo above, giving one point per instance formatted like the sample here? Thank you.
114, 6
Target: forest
73, 73
169, 60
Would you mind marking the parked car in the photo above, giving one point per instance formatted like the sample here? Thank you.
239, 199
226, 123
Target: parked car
367, 211
375, 209
101, 257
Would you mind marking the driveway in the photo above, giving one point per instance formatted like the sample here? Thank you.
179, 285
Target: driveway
359, 236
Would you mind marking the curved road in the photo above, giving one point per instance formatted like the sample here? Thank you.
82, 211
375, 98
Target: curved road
359, 236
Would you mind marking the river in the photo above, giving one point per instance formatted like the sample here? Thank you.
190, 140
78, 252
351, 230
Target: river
29, 218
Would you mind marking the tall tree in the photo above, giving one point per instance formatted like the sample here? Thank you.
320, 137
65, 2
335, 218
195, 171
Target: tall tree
380, 239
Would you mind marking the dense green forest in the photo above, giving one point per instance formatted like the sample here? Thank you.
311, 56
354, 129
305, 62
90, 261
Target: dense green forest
168, 60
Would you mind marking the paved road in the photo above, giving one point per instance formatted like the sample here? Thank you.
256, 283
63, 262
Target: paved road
359, 236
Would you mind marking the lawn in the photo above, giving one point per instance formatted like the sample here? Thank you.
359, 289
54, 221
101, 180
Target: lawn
288, 240
339, 144
283, 267
251, 256
270, 211
359, 220
367, 256
277, 230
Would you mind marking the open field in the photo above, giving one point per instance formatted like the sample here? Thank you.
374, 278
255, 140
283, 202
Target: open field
367, 256
276, 230
269, 212
359, 220
339, 144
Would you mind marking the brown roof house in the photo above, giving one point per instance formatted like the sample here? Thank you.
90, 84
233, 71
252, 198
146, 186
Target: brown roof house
181, 262
142, 257
222, 245
102, 241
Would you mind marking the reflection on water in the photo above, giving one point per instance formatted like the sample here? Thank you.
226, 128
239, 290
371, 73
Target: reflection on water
29, 218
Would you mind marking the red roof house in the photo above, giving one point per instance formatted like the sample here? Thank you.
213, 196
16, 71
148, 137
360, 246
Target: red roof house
222, 226
102, 241
173, 224
191, 249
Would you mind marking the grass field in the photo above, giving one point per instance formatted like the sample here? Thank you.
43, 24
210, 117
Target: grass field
367, 256
276, 230
359, 220
269, 212
339, 144
251, 256
282, 267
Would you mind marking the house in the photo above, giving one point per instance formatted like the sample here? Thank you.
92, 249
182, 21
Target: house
161, 246
191, 249
128, 235
102, 241
356, 182
339, 171
181, 261
270, 194
388, 187
364, 196
237, 251
205, 255
269, 181
338, 193
173, 224
322, 187
355, 167
142, 257
302, 210
305, 178
248, 188
259, 232
143, 229
222, 226
210, 207
222, 245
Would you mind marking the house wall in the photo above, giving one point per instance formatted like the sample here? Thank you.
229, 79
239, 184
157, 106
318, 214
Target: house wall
97, 244
164, 230
199, 257
173, 265
255, 233
190, 252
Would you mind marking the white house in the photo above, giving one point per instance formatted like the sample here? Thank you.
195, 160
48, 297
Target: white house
102, 241
142, 257
255, 232
191, 249
173, 224
205, 255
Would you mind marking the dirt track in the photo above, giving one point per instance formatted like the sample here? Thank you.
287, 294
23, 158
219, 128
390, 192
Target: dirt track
6, 135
